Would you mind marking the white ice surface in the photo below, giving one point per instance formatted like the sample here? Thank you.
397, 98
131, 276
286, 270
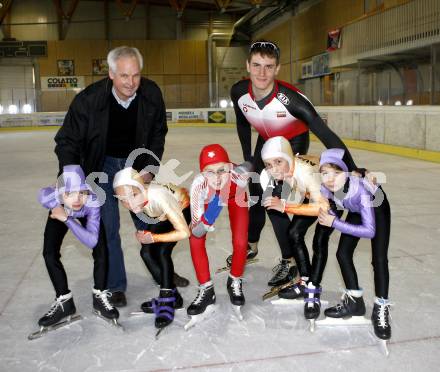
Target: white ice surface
270, 338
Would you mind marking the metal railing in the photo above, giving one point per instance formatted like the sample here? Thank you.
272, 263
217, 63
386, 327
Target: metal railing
412, 25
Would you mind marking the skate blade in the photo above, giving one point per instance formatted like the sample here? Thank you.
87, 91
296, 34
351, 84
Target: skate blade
112, 322
227, 268
275, 290
312, 325
354, 321
159, 331
383, 344
237, 311
143, 313
44, 330
195, 319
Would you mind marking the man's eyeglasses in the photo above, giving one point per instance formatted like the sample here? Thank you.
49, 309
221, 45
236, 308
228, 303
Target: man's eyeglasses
265, 45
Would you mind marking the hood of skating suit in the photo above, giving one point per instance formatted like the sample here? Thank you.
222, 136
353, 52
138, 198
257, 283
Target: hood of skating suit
333, 156
72, 179
277, 147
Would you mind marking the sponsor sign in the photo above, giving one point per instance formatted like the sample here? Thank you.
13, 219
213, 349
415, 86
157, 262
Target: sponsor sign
216, 116
62, 82
192, 117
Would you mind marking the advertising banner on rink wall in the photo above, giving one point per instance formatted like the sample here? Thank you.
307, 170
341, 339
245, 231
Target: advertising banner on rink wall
36, 119
216, 116
53, 83
192, 117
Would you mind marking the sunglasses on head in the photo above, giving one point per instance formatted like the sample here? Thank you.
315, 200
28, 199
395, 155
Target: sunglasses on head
265, 45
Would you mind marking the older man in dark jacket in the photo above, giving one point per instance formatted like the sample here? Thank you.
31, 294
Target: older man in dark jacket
105, 123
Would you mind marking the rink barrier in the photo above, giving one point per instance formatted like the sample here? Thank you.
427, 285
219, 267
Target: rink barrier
410, 131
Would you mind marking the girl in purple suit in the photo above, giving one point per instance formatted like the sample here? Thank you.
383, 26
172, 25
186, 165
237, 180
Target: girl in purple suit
368, 217
73, 207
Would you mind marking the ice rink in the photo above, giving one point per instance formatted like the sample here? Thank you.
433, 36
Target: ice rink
270, 338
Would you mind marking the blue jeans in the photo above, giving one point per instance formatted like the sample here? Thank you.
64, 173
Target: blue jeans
117, 277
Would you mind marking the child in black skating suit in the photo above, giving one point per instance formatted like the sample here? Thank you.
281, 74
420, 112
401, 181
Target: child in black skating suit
72, 208
369, 217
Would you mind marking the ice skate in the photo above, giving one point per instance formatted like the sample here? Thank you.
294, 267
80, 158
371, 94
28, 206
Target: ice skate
202, 306
276, 289
61, 313
312, 307
293, 294
235, 291
164, 309
104, 309
46, 329
284, 273
380, 318
348, 313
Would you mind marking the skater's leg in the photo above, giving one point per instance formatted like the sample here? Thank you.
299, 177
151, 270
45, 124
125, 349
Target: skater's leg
257, 213
320, 253
117, 277
200, 258
54, 233
381, 309
346, 247
280, 223
239, 222
100, 261
352, 301
297, 231
379, 246
300, 144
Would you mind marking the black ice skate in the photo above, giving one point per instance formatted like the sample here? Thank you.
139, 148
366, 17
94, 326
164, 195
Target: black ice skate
352, 305
103, 308
149, 305
381, 319
164, 308
312, 307
61, 313
293, 291
284, 272
235, 291
202, 306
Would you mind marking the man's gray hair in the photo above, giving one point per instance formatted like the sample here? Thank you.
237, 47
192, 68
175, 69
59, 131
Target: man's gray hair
123, 52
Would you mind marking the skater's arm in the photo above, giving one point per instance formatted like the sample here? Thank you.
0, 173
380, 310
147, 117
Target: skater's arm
303, 109
367, 228
311, 209
180, 232
198, 193
87, 235
243, 127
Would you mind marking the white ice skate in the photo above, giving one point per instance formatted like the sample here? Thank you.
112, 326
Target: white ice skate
195, 319
63, 323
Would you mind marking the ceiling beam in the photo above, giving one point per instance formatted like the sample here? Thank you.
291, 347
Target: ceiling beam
127, 12
64, 18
